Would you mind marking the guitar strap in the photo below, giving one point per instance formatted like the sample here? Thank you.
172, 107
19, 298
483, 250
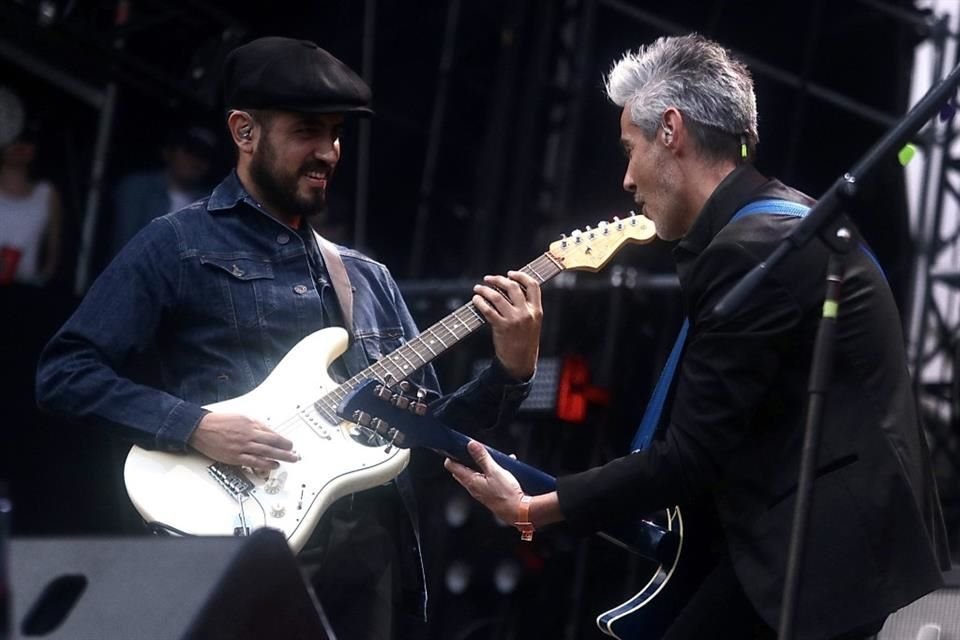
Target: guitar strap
339, 279
651, 415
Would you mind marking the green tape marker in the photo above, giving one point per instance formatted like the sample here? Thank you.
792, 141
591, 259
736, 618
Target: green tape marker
830, 309
906, 154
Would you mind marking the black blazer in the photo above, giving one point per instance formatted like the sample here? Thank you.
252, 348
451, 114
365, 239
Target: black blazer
736, 421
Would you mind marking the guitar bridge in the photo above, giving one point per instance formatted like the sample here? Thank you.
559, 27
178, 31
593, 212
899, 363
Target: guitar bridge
231, 478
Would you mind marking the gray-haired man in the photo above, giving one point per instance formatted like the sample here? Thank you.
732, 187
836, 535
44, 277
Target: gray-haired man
730, 442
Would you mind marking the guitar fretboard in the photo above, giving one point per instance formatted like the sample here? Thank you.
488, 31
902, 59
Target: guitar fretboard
409, 358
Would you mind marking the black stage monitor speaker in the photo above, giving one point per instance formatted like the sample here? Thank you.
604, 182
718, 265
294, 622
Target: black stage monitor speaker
161, 587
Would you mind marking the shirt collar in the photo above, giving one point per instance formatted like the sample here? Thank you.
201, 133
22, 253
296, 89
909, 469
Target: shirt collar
732, 193
229, 193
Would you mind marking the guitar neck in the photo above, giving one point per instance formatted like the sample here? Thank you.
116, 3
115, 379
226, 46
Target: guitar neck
435, 340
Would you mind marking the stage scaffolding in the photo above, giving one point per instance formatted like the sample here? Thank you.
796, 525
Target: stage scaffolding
933, 325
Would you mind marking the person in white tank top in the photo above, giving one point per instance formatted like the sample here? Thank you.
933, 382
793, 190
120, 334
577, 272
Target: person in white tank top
30, 218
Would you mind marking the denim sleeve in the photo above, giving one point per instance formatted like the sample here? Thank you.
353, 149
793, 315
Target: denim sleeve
78, 371
486, 402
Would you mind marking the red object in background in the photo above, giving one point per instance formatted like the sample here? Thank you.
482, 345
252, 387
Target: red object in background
575, 394
9, 259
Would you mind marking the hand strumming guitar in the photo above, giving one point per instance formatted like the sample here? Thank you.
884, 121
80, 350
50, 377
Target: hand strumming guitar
238, 440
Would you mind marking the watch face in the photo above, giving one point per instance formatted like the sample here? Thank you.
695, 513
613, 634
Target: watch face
11, 116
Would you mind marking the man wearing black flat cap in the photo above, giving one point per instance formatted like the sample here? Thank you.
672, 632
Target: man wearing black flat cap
204, 302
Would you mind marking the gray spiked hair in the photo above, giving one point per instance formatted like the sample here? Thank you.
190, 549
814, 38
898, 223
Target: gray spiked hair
698, 77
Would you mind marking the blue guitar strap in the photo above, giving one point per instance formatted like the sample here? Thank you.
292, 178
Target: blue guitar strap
651, 415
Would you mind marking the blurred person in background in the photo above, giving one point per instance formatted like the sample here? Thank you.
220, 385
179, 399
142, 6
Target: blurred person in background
30, 209
188, 155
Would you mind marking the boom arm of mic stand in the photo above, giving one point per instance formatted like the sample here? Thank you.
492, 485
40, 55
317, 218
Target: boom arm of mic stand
827, 208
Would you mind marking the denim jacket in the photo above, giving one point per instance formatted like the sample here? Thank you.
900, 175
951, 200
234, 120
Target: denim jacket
202, 304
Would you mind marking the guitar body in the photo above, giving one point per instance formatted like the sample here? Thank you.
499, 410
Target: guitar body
192, 494
658, 600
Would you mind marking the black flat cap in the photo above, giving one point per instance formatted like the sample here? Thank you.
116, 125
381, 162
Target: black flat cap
291, 75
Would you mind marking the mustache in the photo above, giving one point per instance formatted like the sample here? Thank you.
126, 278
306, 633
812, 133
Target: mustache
317, 167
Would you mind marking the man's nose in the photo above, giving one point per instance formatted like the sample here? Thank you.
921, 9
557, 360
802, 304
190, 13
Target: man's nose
628, 183
328, 151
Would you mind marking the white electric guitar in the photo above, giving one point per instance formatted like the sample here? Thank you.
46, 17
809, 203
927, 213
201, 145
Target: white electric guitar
190, 494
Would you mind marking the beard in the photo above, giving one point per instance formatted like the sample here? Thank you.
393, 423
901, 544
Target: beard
281, 190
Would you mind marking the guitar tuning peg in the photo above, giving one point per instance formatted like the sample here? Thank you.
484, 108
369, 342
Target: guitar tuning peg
616, 218
587, 228
382, 392
632, 213
419, 408
362, 418
563, 236
401, 402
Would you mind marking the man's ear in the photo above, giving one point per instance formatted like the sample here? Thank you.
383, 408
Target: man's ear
671, 123
242, 129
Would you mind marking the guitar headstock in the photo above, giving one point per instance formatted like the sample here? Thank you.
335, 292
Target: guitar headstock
591, 249
390, 417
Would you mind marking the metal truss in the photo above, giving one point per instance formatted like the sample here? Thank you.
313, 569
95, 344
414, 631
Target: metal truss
934, 322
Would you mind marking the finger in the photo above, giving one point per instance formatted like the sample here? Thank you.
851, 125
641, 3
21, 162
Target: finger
481, 456
256, 462
508, 288
271, 453
462, 474
486, 309
531, 286
265, 435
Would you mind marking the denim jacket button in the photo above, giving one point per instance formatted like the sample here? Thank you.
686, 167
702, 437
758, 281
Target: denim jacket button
283, 238
300, 289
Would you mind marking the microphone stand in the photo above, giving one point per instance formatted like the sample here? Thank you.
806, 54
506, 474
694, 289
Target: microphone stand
818, 221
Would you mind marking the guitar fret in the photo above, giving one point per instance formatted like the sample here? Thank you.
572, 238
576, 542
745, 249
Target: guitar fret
418, 344
398, 354
328, 412
422, 352
443, 323
435, 335
475, 314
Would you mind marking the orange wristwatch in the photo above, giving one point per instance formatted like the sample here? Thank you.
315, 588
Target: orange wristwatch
523, 519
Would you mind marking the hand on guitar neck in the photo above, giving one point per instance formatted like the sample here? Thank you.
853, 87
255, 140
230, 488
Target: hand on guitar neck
238, 440
499, 491
512, 307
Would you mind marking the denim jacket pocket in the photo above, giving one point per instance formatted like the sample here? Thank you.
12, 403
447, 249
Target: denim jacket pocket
246, 292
